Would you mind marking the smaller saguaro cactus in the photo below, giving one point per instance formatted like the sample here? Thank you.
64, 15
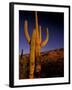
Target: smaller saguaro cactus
21, 54
36, 44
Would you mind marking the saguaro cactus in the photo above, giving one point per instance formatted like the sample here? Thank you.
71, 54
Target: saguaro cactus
36, 44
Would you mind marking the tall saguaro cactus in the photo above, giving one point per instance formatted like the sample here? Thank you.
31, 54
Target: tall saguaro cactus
36, 44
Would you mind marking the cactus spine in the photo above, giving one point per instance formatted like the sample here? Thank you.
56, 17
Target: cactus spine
36, 44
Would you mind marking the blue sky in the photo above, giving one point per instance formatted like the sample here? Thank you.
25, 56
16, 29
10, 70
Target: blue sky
54, 22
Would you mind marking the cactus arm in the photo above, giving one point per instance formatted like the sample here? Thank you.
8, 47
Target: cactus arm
46, 40
32, 56
40, 33
36, 22
37, 43
26, 31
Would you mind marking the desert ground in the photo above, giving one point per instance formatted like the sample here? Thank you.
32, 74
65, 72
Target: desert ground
52, 64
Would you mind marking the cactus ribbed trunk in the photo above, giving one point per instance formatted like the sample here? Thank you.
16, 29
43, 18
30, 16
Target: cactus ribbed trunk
32, 56
37, 49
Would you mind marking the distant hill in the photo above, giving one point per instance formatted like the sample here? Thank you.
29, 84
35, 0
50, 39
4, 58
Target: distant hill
53, 55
